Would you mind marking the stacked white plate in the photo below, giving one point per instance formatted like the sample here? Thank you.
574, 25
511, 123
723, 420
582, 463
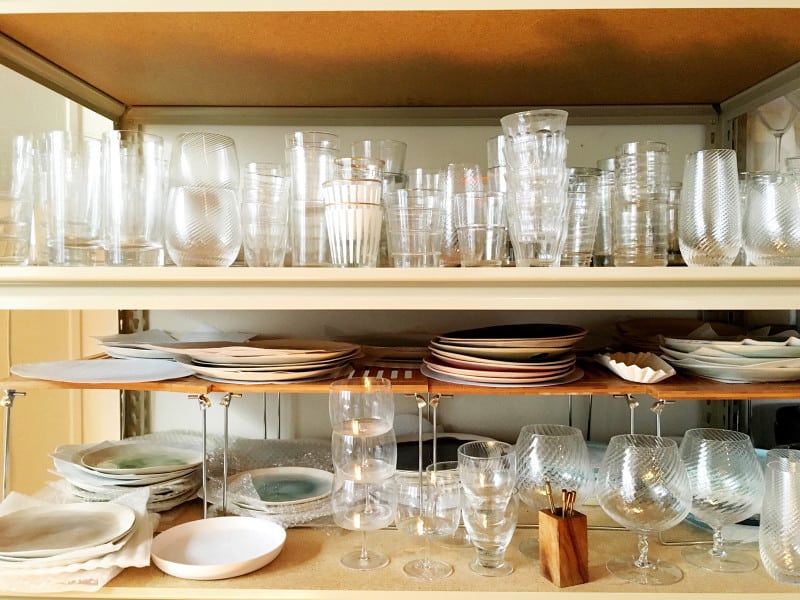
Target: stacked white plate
751, 360
533, 354
106, 471
55, 535
647, 335
264, 361
136, 345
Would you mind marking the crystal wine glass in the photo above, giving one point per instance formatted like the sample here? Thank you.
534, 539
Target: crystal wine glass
727, 486
363, 507
361, 406
642, 485
549, 453
777, 115
431, 509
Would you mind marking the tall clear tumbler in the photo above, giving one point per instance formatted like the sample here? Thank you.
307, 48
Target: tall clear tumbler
265, 215
640, 205
70, 202
771, 227
16, 200
459, 178
134, 198
310, 155
583, 196
202, 219
709, 217
779, 527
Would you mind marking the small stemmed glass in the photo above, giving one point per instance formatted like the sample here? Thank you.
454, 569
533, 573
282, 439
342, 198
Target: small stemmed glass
778, 116
727, 486
642, 485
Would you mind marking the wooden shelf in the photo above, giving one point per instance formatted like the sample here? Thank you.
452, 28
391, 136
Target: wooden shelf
357, 56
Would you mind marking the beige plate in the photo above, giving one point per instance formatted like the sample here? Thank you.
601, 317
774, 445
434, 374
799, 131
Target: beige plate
574, 375
261, 352
436, 365
514, 354
476, 362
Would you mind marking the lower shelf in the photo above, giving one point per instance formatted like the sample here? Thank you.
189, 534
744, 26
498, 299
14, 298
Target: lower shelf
308, 568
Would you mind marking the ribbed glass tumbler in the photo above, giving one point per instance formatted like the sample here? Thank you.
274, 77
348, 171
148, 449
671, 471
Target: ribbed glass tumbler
772, 219
709, 217
779, 529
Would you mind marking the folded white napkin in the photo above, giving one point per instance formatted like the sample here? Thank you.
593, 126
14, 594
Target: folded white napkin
85, 570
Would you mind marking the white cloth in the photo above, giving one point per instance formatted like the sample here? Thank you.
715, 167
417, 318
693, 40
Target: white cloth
85, 570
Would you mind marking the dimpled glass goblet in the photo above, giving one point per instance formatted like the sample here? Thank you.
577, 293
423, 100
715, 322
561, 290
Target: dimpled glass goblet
642, 485
727, 486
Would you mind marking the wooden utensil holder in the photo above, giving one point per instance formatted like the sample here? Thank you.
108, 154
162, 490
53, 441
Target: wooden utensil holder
563, 548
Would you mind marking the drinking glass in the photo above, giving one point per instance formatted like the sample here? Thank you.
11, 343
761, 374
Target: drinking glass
583, 197
203, 223
391, 152
481, 228
361, 406
779, 527
459, 178
771, 228
265, 215
133, 166
70, 184
489, 505
310, 155
642, 485
709, 216
727, 486
674, 258
554, 454
415, 225
363, 507
364, 458
641, 177
354, 218
432, 508
458, 538
16, 200
603, 252
777, 116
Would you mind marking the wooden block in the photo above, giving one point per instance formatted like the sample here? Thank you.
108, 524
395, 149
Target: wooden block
563, 548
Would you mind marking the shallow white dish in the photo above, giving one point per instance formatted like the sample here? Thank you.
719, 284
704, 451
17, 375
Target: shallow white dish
141, 459
112, 370
261, 352
641, 367
43, 531
217, 548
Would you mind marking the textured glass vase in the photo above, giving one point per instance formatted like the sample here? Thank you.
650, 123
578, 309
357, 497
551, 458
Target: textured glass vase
779, 530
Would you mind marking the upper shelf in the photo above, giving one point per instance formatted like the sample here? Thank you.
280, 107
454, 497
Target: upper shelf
305, 58
614, 288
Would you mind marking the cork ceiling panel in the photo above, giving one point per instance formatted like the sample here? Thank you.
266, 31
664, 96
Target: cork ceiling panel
418, 58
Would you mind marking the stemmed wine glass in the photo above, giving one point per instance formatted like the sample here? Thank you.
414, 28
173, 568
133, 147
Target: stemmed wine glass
777, 115
549, 453
364, 453
727, 486
431, 500
363, 507
642, 485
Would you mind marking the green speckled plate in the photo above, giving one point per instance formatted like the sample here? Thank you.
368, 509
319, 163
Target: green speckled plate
140, 459
288, 485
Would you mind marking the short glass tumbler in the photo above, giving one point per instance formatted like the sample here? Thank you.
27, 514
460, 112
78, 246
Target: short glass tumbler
779, 528
771, 226
481, 228
265, 218
415, 225
16, 201
583, 196
354, 218
709, 217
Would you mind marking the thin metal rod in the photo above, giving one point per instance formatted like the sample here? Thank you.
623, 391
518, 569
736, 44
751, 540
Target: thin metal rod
589, 420
8, 402
225, 404
569, 412
433, 401
204, 403
421, 403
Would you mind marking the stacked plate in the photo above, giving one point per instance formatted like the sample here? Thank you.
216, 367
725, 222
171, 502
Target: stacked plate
264, 361
533, 354
647, 335
108, 470
751, 360
55, 535
136, 345
286, 495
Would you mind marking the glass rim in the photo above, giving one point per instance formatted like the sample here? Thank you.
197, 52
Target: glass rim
504, 446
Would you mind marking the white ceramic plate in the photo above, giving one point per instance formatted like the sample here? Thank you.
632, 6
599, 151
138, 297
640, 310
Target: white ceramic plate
125, 352
501, 376
113, 370
738, 374
262, 352
217, 548
571, 377
43, 531
236, 375
141, 458
286, 485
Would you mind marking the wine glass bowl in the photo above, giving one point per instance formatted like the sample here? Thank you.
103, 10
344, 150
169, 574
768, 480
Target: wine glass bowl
727, 487
778, 115
554, 454
361, 406
642, 484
